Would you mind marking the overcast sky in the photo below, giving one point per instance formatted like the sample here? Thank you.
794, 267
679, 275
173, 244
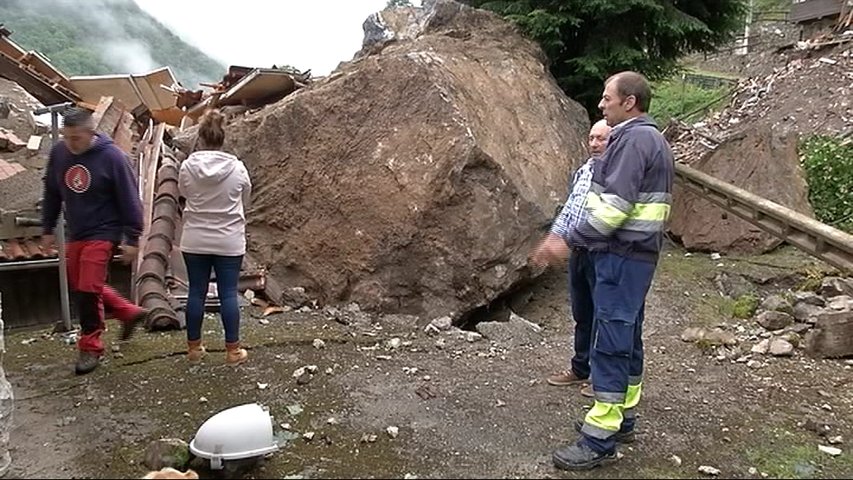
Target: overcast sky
307, 34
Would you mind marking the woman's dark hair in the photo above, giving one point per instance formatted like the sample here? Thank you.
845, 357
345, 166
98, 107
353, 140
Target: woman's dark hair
211, 130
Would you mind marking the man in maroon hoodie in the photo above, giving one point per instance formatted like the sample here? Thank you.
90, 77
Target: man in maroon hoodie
91, 177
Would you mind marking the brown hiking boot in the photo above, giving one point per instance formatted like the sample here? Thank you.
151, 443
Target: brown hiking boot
566, 377
234, 355
195, 350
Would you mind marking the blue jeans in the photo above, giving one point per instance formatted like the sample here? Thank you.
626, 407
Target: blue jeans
227, 271
581, 283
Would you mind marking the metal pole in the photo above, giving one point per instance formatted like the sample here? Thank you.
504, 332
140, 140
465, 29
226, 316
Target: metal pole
60, 225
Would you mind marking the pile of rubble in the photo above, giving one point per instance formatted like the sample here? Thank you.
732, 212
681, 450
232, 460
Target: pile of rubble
821, 323
753, 143
808, 95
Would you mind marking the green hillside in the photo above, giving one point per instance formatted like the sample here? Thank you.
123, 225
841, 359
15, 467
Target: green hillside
94, 37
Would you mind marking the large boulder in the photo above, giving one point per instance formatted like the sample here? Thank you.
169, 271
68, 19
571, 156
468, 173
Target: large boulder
759, 161
417, 177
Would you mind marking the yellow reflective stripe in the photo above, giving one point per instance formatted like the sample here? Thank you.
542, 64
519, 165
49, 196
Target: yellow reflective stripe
632, 396
652, 212
608, 214
606, 416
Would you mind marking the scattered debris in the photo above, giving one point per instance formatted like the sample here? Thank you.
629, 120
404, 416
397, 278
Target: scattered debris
10, 142
836, 440
754, 364
709, 470
676, 460
308, 436
295, 409
762, 347
263, 386
65, 421
773, 320
34, 143
272, 310
425, 392
713, 337
780, 347
777, 303
369, 438
836, 286
319, 344
393, 432
202, 400
438, 325
829, 450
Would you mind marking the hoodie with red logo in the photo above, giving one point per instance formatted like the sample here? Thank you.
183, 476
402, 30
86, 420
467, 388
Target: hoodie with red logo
98, 189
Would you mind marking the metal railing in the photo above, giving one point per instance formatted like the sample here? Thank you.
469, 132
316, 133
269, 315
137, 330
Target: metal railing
809, 235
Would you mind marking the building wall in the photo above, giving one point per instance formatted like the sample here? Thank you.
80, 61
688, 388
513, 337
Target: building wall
31, 297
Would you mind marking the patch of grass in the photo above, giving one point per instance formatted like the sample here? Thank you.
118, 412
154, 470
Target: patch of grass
813, 279
828, 163
797, 456
745, 306
677, 98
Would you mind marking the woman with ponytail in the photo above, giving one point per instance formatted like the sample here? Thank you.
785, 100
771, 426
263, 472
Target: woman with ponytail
216, 188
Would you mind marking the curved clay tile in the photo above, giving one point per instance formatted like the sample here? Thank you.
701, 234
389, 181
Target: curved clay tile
15, 252
33, 248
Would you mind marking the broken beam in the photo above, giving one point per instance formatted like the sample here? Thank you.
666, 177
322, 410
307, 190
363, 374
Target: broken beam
815, 238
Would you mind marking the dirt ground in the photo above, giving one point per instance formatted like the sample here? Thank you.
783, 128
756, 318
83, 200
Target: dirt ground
471, 410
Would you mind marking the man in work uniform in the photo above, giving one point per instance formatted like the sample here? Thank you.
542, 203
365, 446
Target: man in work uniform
91, 177
581, 275
627, 207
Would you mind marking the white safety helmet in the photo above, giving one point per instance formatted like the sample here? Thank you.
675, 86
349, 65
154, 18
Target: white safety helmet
234, 434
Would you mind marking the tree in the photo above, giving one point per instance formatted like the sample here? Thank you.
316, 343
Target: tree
398, 3
588, 40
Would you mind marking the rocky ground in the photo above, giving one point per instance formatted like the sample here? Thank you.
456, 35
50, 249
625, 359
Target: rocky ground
464, 406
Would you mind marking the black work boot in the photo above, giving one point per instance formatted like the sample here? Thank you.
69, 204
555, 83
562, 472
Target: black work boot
580, 457
621, 437
128, 328
86, 363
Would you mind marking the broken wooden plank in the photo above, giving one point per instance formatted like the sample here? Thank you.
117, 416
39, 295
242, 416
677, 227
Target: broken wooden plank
832, 336
123, 135
33, 83
107, 115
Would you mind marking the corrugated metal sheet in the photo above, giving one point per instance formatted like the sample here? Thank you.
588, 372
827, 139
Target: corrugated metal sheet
808, 10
